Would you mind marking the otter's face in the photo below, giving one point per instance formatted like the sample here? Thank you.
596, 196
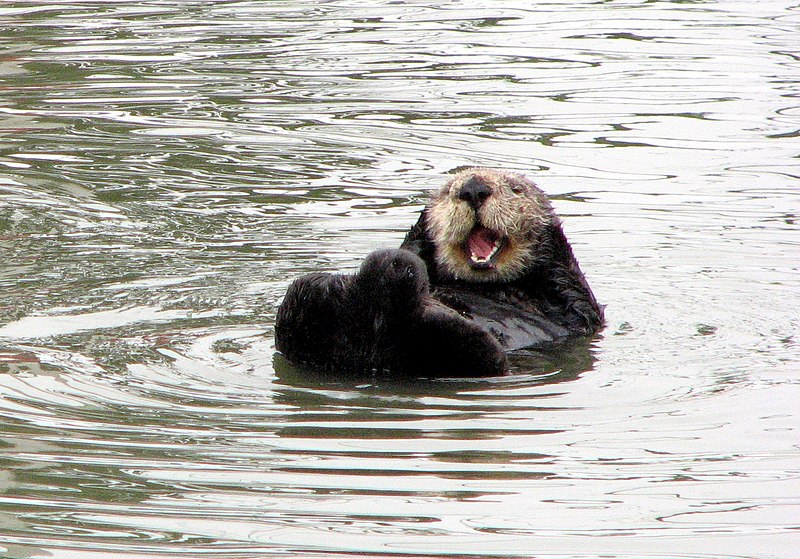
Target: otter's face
486, 225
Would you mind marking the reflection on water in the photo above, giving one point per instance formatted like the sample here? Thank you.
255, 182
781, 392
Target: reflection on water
168, 168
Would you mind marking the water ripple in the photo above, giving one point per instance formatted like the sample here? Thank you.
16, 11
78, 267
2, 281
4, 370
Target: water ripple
167, 169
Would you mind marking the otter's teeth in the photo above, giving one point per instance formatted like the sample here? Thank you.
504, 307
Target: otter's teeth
483, 259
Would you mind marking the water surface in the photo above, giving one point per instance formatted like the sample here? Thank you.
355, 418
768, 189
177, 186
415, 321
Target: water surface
168, 168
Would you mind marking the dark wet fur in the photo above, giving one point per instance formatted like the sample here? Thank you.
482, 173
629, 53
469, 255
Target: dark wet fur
382, 320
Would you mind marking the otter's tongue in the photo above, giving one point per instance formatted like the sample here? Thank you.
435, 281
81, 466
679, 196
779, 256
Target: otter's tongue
482, 244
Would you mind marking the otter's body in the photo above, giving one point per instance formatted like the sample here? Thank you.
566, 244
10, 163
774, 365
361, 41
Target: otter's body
496, 253
382, 319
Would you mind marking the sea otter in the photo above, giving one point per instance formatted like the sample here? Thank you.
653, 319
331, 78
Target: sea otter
382, 319
495, 252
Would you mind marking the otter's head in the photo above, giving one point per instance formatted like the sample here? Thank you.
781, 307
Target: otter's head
393, 278
486, 225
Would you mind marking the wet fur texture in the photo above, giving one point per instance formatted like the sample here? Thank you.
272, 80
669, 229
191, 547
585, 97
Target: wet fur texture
531, 290
382, 320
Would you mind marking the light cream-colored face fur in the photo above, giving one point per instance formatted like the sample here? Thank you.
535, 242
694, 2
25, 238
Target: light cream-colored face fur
515, 209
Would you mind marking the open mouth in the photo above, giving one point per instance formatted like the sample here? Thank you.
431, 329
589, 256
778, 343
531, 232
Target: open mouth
483, 245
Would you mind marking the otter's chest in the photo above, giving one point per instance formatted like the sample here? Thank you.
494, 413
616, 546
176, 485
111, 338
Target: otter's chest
517, 319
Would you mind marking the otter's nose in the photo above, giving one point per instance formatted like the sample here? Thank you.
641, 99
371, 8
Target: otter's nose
474, 192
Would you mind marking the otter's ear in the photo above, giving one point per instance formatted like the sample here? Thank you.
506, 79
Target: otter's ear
518, 186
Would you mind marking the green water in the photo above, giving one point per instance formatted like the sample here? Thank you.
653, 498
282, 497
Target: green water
166, 169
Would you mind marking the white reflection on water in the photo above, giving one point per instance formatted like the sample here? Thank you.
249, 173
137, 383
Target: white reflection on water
170, 167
